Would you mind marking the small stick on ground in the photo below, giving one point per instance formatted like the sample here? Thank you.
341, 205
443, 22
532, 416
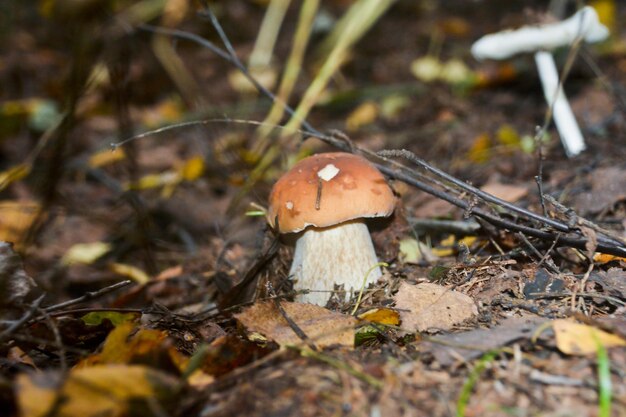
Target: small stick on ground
25, 318
90, 295
294, 326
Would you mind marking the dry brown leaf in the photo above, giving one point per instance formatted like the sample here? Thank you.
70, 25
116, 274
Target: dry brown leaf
15, 284
105, 390
431, 306
592, 241
450, 348
608, 187
323, 327
579, 339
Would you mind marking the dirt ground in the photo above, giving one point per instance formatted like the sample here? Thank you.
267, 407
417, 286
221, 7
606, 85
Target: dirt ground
141, 280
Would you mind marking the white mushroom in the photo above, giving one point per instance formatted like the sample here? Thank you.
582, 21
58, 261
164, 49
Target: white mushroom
585, 25
324, 199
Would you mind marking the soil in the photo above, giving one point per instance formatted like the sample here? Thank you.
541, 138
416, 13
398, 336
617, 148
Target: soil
172, 209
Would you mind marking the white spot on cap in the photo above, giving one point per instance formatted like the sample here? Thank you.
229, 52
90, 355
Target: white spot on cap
328, 172
289, 205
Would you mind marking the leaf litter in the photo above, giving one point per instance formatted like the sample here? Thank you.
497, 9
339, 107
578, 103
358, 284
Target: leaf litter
160, 212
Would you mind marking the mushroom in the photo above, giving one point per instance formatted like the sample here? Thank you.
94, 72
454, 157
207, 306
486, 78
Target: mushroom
584, 25
324, 200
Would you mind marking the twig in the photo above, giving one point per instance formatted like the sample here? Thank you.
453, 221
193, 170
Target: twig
57, 339
292, 324
96, 309
19, 323
580, 294
538, 254
90, 295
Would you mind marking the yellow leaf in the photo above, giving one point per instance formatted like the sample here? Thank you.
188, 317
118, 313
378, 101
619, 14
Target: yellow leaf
169, 110
427, 68
13, 174
156, 180
393, 104
607, 12
468, 240
381, 316
578, 339
363, 115
131, 272
106, 157
442, 252
507, 135
456, 72
410, 251
481, 149
603, 258
445, 247
85, 253
16, 217
89, 392
193, 168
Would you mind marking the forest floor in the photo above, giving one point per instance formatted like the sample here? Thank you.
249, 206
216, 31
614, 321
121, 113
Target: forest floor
143, 281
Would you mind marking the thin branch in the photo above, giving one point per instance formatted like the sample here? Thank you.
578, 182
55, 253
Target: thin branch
19, 323
90, 295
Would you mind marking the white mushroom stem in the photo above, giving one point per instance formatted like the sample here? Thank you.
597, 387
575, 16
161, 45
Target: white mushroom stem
338, 255
566, 124
585, 25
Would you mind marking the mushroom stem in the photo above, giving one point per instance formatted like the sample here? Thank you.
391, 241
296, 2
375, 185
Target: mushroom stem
340, 255
566, 124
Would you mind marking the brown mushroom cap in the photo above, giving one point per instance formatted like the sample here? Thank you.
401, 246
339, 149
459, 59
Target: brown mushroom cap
351, 188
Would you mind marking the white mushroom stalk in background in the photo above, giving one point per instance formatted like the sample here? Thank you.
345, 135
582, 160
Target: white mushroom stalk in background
583, 25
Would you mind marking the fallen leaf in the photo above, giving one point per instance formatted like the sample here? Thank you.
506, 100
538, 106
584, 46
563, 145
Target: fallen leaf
109, 390
381, 316
412, 252
427, 68
432, 306
229, 352
481, 148
604, 258
116, 318
608, 187
456, 72
580, 339
131, 272
192, 169
448, 349
508, 136
365, 114
323, 327
612, 281
169, 273
16, 217
592, 241
106, 157
506, 192
15, 284
85, 253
